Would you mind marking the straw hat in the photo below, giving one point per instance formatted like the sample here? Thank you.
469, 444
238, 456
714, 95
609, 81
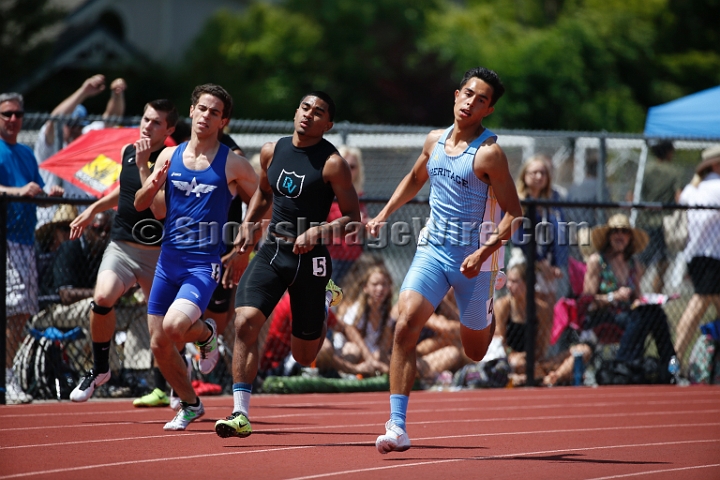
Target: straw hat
599, 234
63, 216
709, 157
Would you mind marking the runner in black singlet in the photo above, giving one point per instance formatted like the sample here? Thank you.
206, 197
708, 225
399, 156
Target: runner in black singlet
300, 177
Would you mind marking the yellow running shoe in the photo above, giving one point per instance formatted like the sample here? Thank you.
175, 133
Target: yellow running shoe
236, 425
333, 293
156, 398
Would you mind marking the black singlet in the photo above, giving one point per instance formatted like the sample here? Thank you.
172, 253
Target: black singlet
127, 216
301, 196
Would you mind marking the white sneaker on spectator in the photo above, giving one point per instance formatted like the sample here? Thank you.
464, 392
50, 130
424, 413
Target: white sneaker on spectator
395, 439
88, 384
14, 394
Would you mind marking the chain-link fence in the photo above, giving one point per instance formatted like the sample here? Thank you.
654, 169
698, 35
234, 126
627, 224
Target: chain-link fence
55, 292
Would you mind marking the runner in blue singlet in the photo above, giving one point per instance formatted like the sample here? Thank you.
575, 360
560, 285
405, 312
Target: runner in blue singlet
198, 179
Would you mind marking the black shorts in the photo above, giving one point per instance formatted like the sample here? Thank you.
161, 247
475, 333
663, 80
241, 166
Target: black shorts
276, 269
705, 275
220, 300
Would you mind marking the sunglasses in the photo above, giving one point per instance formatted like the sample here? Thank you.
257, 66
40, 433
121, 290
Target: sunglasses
621, 230
10, 113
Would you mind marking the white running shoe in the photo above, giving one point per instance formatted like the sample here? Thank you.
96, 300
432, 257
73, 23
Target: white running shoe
395, 439
209, 353
185, 416
14, 394
88, 384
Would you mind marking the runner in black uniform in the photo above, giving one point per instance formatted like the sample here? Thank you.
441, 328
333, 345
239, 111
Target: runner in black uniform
132, 253
300, 177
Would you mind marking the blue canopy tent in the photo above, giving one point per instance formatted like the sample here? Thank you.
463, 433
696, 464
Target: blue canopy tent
697, 115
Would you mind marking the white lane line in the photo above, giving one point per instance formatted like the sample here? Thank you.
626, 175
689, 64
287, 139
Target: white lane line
106, 440
417, 398
149, 460
373, 425
276, 449
415, 412
653, 472
498, 457
411, 412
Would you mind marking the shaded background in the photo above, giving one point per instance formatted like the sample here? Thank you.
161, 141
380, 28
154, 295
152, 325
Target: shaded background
568, 65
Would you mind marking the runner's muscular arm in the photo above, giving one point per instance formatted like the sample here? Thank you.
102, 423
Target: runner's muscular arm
107, 202
409, 186
142, 155
244, 181
336, 172
259, 205
145, 196
241, 176
491, 166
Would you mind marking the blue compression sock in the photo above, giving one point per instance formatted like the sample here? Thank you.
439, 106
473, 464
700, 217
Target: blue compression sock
398, 409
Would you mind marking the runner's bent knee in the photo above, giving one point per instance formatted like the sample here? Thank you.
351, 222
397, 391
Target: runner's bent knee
248, 322
108, 289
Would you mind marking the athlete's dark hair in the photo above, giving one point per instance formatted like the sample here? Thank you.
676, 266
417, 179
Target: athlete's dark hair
325, 98
163, 105
487, 76
215, 91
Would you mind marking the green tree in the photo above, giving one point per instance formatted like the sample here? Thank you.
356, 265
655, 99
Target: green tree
21, 46
688, 49
363, 53
571, 70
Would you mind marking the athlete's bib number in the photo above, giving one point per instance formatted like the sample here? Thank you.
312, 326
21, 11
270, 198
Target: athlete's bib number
319, 266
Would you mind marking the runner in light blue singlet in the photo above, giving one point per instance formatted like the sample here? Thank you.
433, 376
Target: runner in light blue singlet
459, 204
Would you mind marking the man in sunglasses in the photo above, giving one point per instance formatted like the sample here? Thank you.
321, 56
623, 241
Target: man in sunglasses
19, 175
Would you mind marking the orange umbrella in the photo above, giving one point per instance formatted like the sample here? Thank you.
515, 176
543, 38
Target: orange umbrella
93, 162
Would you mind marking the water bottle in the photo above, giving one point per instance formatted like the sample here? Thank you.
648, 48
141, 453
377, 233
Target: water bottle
578, 368
674, 370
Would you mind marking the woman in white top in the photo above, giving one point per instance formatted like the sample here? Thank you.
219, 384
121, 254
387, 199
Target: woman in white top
703, 248
368, 321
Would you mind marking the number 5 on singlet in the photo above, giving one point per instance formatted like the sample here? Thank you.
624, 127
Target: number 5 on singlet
319, 266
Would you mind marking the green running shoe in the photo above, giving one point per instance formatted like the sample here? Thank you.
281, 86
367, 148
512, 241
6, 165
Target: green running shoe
236, 425
156, 398
333, 294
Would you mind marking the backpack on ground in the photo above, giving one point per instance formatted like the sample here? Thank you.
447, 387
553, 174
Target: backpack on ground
41, 365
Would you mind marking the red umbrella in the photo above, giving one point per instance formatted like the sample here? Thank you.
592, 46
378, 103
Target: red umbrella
93, 162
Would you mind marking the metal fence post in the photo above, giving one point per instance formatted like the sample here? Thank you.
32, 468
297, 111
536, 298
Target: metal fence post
3, 285
531, 311
601, 186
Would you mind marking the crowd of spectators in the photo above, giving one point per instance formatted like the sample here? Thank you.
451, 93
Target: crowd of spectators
46, 270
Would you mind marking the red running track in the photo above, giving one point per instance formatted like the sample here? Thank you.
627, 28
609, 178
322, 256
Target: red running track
658, 432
